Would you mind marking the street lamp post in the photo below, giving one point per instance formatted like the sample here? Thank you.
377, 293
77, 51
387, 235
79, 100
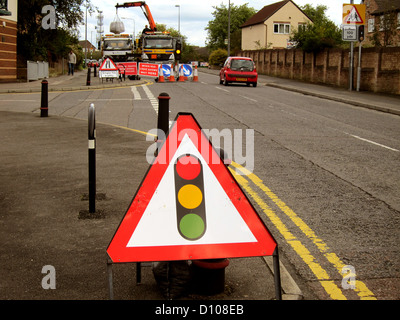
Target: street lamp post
179, 17
86, 6
134, 31
229, 29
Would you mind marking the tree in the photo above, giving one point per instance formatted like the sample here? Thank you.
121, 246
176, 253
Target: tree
175, 33
320, 34
218, 57
218, 28
35, 42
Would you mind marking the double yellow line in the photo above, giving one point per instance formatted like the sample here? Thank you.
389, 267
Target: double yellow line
329, 285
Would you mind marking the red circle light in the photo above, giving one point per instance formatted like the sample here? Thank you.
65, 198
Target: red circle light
188, 167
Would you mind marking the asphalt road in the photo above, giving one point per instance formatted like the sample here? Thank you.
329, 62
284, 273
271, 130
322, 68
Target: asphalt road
325, 175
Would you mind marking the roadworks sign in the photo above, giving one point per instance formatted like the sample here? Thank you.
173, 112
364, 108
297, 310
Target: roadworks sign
189, 206
108, 69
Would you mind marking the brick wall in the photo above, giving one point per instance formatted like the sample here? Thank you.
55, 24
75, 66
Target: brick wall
8, 50
380, 68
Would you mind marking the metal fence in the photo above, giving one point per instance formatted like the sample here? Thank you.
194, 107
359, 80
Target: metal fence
37, 70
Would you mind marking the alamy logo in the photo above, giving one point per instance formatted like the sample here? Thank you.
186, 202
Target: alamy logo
238, 145
49, 21
49, 280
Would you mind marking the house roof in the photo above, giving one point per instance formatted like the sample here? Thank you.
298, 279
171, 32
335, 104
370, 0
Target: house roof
386, 5
86, 43
266, 12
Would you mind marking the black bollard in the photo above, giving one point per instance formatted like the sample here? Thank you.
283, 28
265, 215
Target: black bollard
163, 112
92, 158
163, 116
88, 77
44, 106
95, 71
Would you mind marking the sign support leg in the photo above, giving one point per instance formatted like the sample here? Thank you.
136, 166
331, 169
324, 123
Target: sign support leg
359, 67
277, 275
110, 279
138, 272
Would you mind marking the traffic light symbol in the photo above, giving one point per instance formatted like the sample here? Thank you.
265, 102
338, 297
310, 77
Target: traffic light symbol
178, 50
361, 33
189, 193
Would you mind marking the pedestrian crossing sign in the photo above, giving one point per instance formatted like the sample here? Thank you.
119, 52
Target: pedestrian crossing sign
353, 14
189, 207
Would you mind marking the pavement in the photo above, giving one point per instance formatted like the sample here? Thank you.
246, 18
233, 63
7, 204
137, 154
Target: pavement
44, 203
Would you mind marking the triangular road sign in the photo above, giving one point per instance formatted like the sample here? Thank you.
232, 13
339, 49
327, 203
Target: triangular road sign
189, 207
108, 65
353, 15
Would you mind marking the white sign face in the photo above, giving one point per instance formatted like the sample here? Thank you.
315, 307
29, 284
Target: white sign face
349, 33
159, 218
109, 74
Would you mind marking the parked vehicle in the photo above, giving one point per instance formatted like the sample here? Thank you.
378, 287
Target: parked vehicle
92, 63
238, 69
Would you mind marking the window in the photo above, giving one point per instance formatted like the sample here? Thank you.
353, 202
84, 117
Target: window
382, 23
371, 25
398, 20
3, 4
244, 65
282, 28
3, 8
302, 27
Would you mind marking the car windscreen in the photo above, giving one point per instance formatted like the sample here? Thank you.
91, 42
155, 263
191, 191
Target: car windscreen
244, 65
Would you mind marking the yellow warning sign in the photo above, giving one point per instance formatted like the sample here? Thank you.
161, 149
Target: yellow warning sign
353, 14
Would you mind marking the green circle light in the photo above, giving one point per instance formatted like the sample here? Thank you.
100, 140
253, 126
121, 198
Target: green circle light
192, 226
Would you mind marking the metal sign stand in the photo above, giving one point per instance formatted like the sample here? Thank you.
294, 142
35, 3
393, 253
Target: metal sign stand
277, 276
110, 279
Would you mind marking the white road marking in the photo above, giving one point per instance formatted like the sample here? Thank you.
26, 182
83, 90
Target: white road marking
222, 89
153, 100
249, 98
372, 142
136, 94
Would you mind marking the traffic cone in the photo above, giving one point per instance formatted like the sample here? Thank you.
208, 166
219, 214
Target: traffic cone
195, 75
161, 75
172, 76
181, 77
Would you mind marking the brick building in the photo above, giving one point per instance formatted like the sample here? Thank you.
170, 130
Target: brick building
382, 22
8, 40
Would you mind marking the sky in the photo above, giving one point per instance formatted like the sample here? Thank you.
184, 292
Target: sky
194, 15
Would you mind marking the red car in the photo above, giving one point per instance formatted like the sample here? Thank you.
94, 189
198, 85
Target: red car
93, 63
238, 69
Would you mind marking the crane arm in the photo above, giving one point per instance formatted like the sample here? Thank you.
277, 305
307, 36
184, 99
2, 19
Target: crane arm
146, 11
